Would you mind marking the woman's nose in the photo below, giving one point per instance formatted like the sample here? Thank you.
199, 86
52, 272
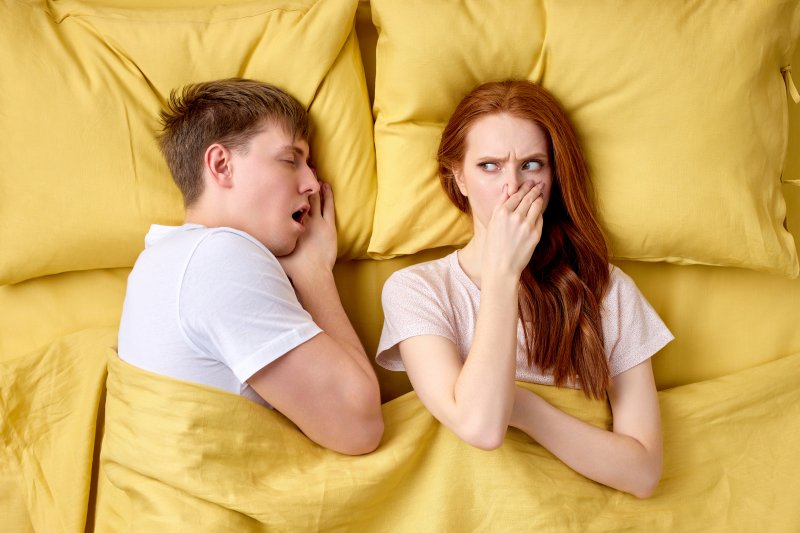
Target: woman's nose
513, 180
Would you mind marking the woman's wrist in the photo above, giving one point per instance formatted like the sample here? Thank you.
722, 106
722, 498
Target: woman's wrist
494, 278
525, 404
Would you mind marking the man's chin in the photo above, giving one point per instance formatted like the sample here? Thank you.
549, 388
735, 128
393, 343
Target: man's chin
283, 250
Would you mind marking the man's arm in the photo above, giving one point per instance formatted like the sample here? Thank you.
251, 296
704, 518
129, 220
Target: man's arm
326, 385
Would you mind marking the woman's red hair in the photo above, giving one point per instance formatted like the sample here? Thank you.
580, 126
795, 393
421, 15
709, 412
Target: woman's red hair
562, 288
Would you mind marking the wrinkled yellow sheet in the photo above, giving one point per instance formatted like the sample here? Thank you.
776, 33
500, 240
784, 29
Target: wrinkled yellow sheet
51, 404
177, 456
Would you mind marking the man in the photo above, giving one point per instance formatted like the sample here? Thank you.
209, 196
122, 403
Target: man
210, 301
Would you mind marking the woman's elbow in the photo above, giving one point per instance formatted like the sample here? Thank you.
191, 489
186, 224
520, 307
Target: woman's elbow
647, 482
484, 437
645, 490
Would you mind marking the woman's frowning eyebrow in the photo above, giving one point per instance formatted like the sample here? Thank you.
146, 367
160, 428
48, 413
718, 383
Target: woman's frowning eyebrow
537, 155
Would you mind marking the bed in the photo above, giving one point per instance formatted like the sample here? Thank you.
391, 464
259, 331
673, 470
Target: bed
690, 118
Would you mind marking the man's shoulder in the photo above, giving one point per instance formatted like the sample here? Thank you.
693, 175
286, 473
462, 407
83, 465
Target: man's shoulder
218, 255
211, 245
193, 235
225, 237
236, 250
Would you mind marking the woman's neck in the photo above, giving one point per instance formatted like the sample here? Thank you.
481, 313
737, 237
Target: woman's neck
470, 258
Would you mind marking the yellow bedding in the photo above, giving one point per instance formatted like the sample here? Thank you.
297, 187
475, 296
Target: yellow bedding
50, 404
177, 456
730, 443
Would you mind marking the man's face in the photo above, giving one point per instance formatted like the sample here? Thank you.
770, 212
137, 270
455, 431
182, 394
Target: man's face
272, 186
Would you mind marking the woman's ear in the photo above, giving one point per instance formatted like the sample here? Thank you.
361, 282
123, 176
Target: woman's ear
218, 163
458, 175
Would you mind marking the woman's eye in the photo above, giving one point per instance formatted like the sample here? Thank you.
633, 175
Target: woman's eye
488, 166
532, 165
290, 162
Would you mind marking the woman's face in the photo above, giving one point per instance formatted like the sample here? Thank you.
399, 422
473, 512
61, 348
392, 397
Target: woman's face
502, 150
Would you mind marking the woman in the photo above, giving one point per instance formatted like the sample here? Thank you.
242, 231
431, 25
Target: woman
531, 297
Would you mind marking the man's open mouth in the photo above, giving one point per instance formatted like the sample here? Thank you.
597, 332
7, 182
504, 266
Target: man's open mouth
299, 215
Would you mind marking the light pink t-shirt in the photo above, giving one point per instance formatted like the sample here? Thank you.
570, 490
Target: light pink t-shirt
438, 298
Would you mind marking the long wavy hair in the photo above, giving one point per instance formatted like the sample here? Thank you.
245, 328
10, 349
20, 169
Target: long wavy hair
562, 287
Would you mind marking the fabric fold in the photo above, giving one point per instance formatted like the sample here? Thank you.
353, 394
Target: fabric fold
787, 78
180, 454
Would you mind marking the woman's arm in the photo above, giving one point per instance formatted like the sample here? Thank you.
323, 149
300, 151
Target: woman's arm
629, 458
475, 400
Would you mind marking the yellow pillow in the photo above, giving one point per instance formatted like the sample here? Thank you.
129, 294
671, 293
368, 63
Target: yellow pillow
80, 91
681, 110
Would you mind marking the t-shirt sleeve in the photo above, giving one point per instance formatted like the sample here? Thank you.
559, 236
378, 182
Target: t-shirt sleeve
411, 307
237, 305
632, 330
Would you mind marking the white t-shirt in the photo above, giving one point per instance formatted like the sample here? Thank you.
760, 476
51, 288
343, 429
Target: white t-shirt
211, 306
438, 298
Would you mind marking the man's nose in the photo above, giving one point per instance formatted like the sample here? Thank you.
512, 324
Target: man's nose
309, 182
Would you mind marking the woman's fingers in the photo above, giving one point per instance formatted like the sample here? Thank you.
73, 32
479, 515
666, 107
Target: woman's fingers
502, 199
516, 225
514, 200
531, 202
536, 208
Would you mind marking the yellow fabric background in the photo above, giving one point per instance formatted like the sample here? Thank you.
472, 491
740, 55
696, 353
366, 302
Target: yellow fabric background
209, 459
81, 88
725, 319
684, 126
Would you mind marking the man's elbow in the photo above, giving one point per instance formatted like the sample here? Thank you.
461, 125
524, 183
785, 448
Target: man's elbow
362, 422
363, 437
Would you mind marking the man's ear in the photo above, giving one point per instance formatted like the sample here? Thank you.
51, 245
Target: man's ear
458, 175
218, 163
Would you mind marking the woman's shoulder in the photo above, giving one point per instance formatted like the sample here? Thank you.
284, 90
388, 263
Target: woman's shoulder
426, 272
618, 278
621, 287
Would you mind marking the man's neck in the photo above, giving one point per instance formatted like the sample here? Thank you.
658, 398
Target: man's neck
203, 217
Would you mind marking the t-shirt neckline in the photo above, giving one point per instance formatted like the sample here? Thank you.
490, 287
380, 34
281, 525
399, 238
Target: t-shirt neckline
462, 276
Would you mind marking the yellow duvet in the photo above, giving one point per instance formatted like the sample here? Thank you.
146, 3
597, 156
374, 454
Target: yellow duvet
181, 457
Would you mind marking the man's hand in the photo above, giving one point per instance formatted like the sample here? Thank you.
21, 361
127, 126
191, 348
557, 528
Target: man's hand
316, 247
326, 385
